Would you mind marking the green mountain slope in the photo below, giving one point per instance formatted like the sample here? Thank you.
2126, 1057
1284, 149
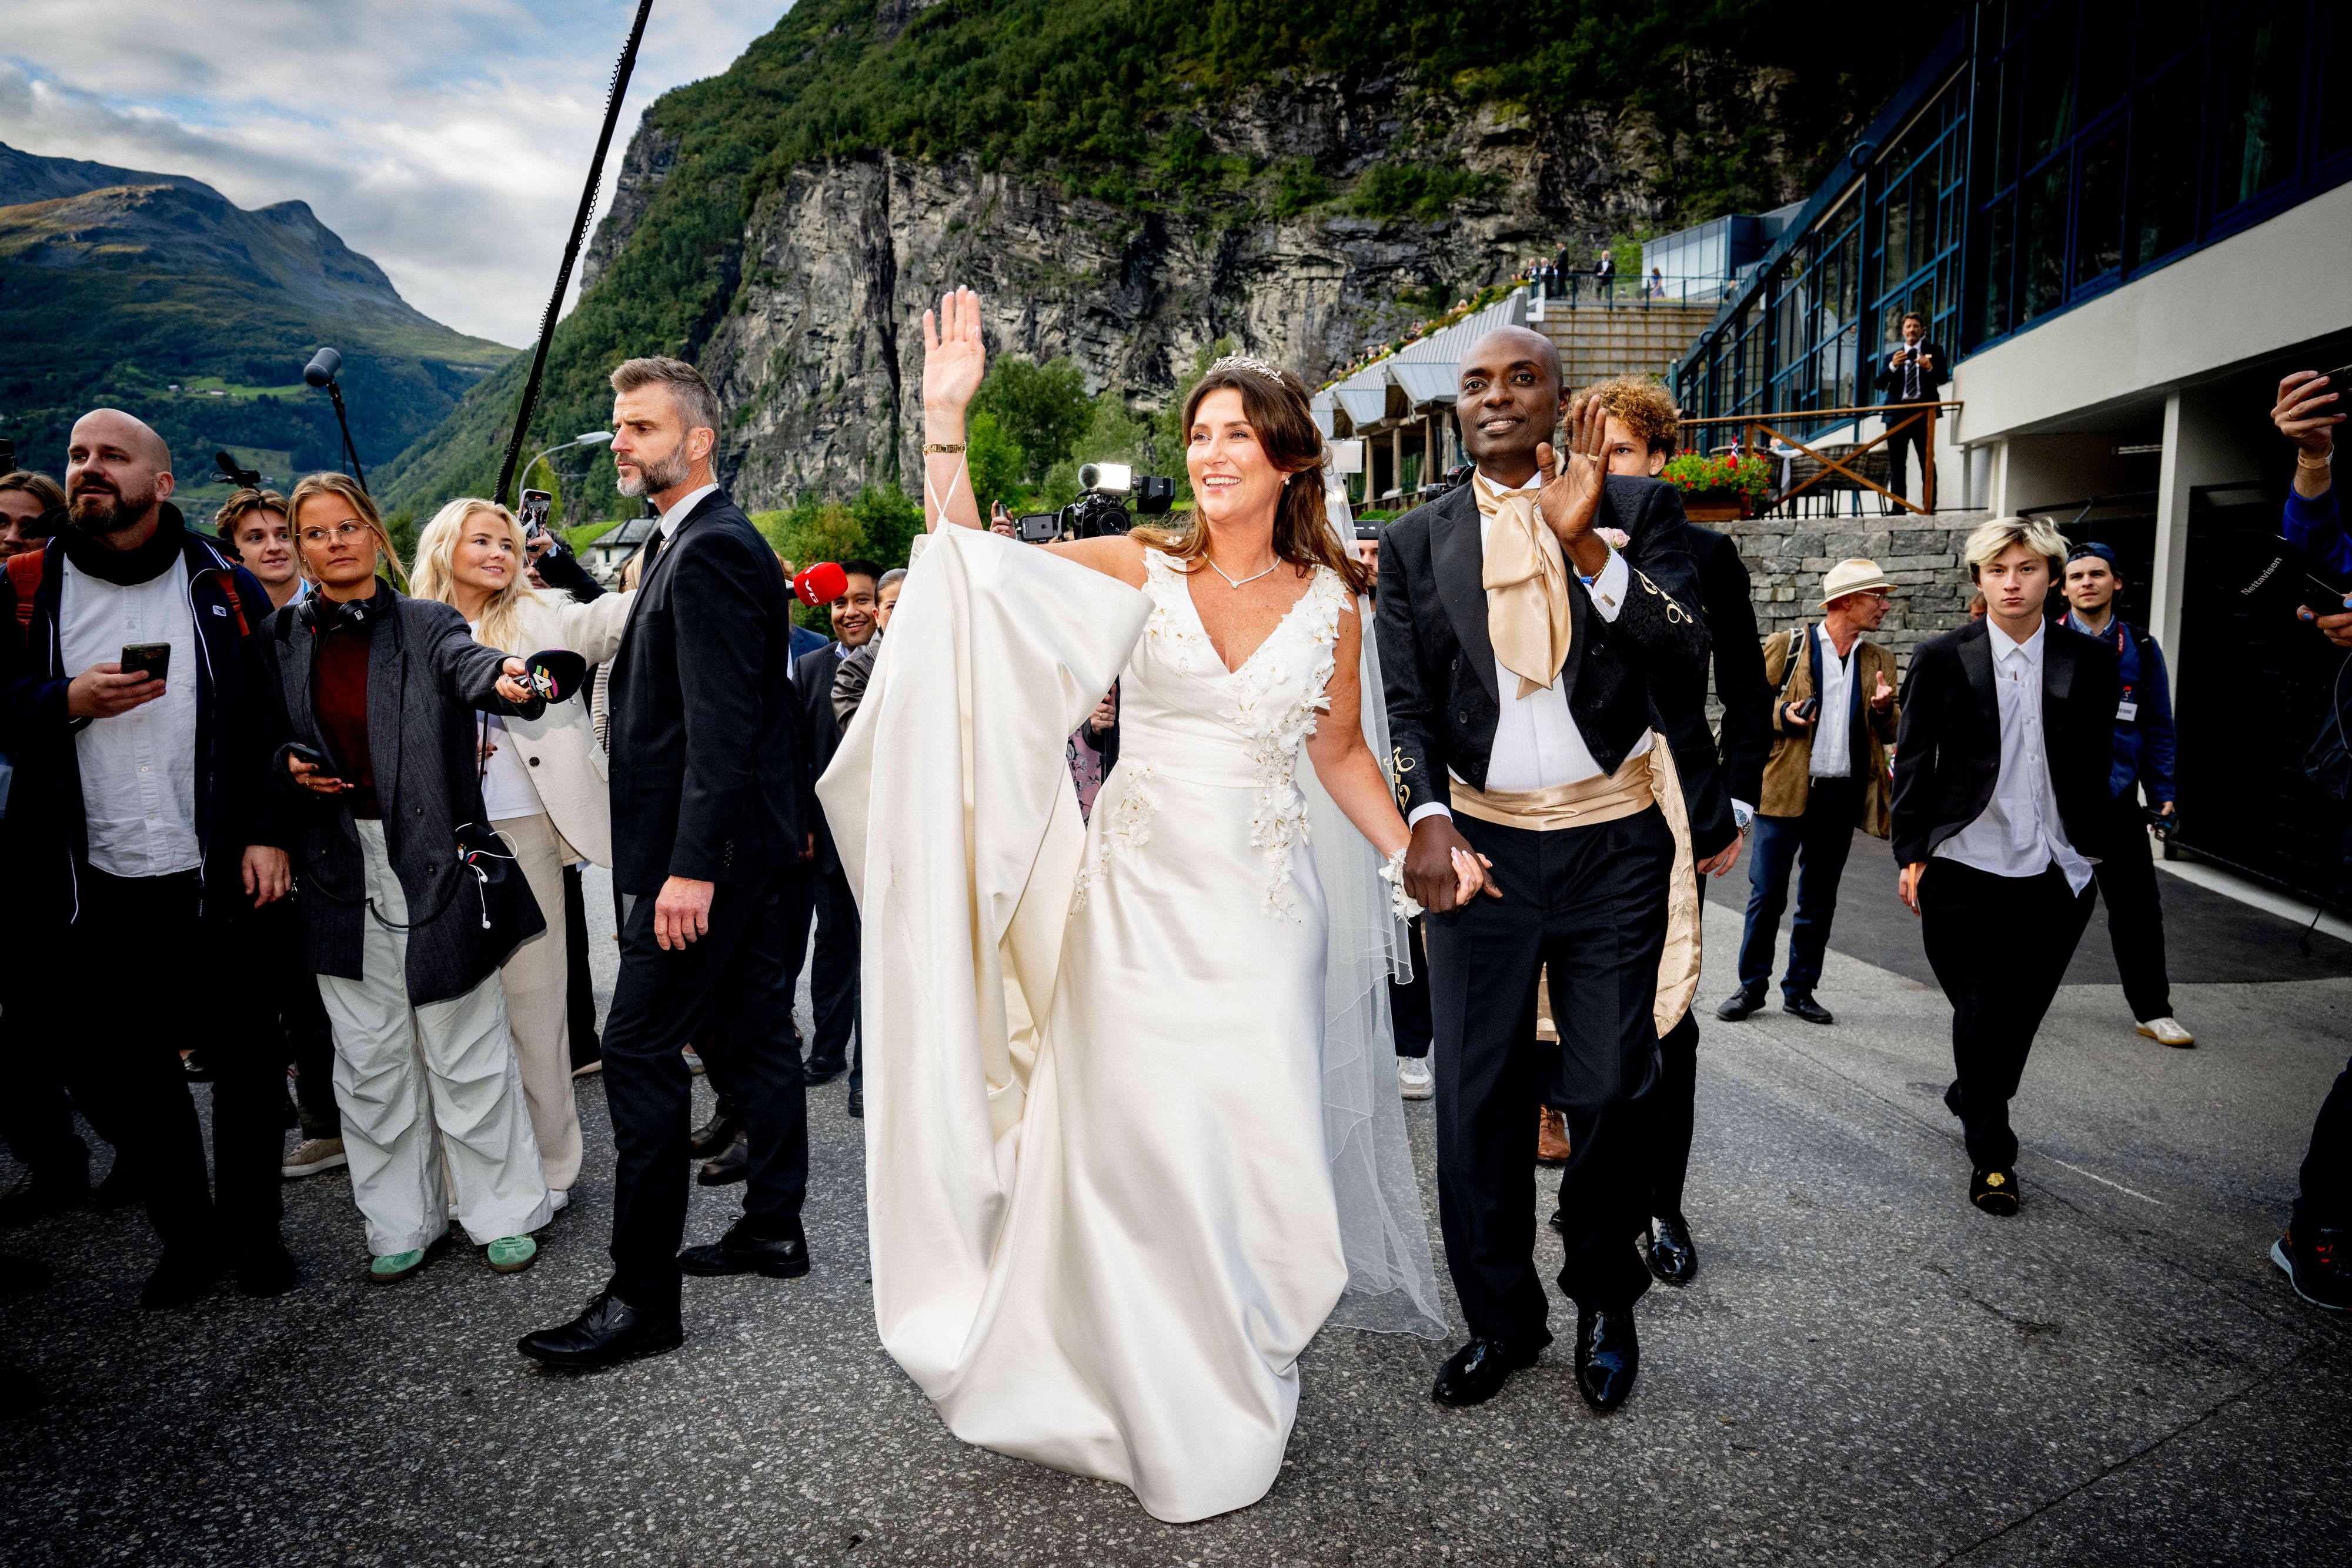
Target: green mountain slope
156, 294
1641, 114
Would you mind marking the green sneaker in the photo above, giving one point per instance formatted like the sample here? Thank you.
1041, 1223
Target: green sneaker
394, 1265
512, 1254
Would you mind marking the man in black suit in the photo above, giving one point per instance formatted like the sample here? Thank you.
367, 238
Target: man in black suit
1722, 778
1522, 653
834, 986
1913, 373
709, 808
2001, 808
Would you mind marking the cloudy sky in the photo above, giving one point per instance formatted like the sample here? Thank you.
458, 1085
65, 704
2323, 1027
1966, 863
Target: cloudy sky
447, 138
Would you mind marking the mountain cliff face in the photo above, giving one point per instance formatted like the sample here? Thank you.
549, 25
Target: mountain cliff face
1127, 183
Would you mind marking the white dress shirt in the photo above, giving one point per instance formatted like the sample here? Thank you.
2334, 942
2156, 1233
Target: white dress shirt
2020, 831
678, 514
1537, 743
138, 769
1833, 722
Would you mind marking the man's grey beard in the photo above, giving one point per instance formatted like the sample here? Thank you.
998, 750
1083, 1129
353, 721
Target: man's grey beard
656, 477
101, 513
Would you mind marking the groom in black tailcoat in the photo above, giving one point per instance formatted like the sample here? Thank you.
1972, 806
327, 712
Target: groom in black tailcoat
1523, 655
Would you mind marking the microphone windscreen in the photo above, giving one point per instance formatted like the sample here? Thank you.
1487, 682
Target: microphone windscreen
322, 366
822, 583
557, 673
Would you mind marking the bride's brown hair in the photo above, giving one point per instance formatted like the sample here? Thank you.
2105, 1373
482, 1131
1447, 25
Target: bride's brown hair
1275, 404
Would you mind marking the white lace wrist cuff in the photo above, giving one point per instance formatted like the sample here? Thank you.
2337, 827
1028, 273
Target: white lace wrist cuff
1399, 899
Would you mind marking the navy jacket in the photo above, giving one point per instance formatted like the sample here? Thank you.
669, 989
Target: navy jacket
2144, 743
233, 805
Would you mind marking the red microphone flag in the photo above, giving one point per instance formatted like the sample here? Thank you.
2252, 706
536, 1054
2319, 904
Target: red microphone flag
822, 583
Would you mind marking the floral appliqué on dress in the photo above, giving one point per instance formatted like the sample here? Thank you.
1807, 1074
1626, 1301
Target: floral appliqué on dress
1128, 828
1278, 819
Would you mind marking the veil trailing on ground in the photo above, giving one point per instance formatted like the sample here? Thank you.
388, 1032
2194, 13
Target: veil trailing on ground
1392, 1279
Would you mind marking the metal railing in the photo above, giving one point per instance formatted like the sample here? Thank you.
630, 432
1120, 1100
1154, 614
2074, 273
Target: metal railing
1624, 291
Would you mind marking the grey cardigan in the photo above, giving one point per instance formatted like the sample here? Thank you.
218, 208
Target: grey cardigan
426, 677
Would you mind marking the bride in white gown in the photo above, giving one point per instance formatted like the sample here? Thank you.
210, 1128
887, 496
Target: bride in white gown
1111, 1126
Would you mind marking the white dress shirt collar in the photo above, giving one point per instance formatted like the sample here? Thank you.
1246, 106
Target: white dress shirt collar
683, 510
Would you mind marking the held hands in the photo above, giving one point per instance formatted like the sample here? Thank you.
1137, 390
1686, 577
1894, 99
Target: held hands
682, 913
104, 691
1442, 871
1570, 498
953, 361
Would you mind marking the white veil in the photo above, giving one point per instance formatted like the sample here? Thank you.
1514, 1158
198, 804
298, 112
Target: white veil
1392, 1279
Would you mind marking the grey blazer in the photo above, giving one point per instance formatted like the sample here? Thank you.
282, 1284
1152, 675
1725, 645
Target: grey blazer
426, 677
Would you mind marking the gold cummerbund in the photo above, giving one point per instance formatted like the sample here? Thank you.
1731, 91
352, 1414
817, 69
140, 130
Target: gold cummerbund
1603, 798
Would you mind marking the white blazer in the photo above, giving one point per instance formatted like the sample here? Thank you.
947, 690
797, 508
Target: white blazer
566, 761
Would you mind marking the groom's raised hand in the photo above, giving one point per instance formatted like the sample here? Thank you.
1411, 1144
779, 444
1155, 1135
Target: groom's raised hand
1570, 500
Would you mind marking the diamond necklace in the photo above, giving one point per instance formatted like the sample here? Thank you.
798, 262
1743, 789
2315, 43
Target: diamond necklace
1245, 581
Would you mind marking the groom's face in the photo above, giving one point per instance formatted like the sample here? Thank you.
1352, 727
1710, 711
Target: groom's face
1508, 399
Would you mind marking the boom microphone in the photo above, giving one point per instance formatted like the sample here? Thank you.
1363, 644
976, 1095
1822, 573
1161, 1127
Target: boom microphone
322, 366
821, 584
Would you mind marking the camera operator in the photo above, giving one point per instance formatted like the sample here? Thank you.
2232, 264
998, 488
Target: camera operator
1914, 375
27, 500
2317, 1249
2143, 752
151, 779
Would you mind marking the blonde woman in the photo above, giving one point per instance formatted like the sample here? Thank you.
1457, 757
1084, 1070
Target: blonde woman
542, 783
375, 694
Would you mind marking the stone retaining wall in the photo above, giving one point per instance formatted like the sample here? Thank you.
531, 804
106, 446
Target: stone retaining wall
1788, 556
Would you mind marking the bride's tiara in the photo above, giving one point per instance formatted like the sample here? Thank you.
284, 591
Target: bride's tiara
1244, 363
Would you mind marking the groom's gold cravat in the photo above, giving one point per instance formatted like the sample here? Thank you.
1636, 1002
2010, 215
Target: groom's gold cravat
1527, 582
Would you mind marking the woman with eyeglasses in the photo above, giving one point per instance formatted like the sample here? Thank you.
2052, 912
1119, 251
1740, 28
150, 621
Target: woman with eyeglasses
379, 694
542, 783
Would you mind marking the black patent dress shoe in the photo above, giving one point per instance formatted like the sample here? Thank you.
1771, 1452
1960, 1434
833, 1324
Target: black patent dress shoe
816, 1073
1608, 1357
1805, 1008
1672, 1258
1738, 1005
609, 1332
732, 1165
267, 1270
1995, 1192
179, 1279
742, 1253
857, 1102
712, 1137
1476, 1373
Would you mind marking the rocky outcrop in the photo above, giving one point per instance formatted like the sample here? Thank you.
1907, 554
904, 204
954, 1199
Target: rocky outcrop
651, 155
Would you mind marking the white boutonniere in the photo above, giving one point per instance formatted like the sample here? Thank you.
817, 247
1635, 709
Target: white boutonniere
1618, 538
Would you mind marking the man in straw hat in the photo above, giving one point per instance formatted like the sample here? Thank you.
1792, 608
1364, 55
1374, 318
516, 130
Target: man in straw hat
1833, 717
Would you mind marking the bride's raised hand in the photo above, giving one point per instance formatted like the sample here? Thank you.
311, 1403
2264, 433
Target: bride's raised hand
953, 359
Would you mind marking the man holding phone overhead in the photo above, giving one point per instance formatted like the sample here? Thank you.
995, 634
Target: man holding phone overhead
131, 701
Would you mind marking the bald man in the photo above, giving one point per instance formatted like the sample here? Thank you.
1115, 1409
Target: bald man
136, 712
1524, 656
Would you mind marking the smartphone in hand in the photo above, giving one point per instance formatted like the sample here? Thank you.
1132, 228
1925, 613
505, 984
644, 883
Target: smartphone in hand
153, 659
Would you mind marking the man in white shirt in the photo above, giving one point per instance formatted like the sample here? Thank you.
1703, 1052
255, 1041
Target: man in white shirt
2000, 813
1525, 655
153, 779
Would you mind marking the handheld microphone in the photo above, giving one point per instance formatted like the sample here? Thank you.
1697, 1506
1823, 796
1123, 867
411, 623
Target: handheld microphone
821, 584
322, 366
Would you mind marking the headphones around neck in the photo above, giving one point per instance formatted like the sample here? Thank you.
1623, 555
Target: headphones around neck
320, 613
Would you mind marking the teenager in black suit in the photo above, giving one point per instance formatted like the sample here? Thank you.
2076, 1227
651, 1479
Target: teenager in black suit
1914, 371
2001, 808
1517, 694
709, 811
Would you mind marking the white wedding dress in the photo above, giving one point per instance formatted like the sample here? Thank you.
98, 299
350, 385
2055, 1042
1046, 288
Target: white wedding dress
1102, 1136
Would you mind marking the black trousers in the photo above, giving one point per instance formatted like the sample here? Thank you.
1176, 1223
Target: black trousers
2000, 946
1589, 903
1409, 1003
1673, 1105
1913, 437
135, 964
2126, 879
728, 983
833, 985
269, 941
2326, 1201
1819, 838
35, 1116
580, 987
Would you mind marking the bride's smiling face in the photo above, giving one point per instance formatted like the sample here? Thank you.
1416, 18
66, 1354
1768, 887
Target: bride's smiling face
1233, 478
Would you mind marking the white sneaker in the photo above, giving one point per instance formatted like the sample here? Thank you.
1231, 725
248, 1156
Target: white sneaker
312, 1156
2167, 1031
1414, 1081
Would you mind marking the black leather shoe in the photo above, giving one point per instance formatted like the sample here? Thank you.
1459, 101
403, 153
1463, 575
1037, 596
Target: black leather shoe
179, 1279
265, 1271
1805, 1008
1673, 1260
1608, 1357
1995, 1192
742, 1253
711, 1138
733, 1163
857, 1102
817, 1073
610, 1331
1738, 1005
1476, 1373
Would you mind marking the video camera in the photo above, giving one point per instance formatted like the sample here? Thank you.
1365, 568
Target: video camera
1102, 510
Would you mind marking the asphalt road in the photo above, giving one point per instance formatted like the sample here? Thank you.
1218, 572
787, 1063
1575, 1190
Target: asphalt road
1865, 1371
